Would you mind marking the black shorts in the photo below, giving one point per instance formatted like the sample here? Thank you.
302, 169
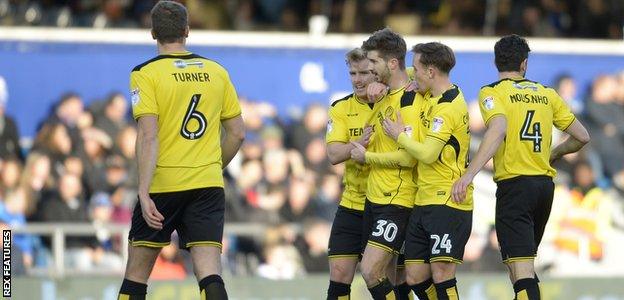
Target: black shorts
345, 239
197, 215
522, 209
437, 233
385, 225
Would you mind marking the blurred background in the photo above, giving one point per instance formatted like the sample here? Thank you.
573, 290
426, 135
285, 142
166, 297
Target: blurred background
68, 175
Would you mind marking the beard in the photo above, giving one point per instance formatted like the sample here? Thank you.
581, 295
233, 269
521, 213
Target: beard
384, 75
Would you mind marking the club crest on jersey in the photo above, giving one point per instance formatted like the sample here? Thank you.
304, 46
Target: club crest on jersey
408, 130
389, 114
488, 103
134, 96
330, 125
436, 124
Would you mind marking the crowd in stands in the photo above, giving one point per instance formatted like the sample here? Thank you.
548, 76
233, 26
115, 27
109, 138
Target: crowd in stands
81, 168
568, 18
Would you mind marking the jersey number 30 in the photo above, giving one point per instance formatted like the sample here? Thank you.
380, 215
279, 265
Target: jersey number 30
192, 113
536, 135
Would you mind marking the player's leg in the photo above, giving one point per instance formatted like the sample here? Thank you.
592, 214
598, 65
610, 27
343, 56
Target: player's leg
449, 229
417, 252
516, 201
201, 231
145, 244
345, 248
374, 267
384, 242
402, 289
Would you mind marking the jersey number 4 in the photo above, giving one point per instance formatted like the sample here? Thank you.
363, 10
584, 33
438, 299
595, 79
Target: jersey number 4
192, 113
536, 135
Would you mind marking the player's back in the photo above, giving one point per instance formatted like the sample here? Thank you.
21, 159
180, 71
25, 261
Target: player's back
190, 95
531, 110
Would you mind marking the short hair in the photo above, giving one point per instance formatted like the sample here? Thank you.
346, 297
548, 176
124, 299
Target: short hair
436, 54
355, 55
509, 53
169, 21
388, 43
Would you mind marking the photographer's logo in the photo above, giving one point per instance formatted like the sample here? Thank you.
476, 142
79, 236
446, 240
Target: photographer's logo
6, 263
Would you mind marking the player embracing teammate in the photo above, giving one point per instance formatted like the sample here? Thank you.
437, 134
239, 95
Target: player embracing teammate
419, 189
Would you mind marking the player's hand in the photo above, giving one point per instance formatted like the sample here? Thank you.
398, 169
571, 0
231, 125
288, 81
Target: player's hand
412, 86
393, 128
358, 153
460, 187
365, 139
375, 91
152, 217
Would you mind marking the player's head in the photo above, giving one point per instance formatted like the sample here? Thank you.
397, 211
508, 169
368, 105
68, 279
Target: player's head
386, 50
360, 71
431, 61
169, 22
511, 54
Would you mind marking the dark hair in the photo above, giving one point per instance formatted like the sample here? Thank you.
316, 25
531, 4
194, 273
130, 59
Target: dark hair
169, 21
388, 43
509, 53
436, 54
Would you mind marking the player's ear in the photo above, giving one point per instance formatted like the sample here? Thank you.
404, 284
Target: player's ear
153, 34
524, 65
186, 31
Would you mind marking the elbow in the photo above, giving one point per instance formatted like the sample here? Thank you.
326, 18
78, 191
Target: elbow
584, 138
429, 159
333, 159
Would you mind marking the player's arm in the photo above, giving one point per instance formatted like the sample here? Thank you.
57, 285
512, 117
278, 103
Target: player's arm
232, 123
564, 120
147, 151
394, 159
426, 152
234, 136
337, 137
578, 137
493, 113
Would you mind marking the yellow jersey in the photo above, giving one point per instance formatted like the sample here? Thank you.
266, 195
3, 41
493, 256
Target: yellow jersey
388, 185
347, 118
191, 95
531, 110
444, 118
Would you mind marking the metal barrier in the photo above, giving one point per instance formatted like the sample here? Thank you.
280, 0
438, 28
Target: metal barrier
58, 232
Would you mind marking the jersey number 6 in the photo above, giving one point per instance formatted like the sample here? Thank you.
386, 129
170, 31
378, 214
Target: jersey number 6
191, 113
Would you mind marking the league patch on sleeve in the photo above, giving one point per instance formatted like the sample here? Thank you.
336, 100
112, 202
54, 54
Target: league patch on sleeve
488, 103
436, 124
330, 125
134, 96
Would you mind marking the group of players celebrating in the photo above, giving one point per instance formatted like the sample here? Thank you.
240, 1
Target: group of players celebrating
406, 210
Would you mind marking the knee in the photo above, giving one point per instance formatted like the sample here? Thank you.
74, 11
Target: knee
417, 274
341, 272
442, 271
372, 272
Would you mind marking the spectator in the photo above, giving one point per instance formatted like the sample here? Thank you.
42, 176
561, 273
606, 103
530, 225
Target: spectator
96, 146
113, 117
606, 123
53, 140
169, 264
313, 245
10, 175
567, 88
125, 146
37, 181
9, 135
12, 212
300, 204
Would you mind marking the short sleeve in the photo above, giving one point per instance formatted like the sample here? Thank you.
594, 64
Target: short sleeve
411, 119
562, 115
231, 107
142, 95
336, 127
490, 104
443, 122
